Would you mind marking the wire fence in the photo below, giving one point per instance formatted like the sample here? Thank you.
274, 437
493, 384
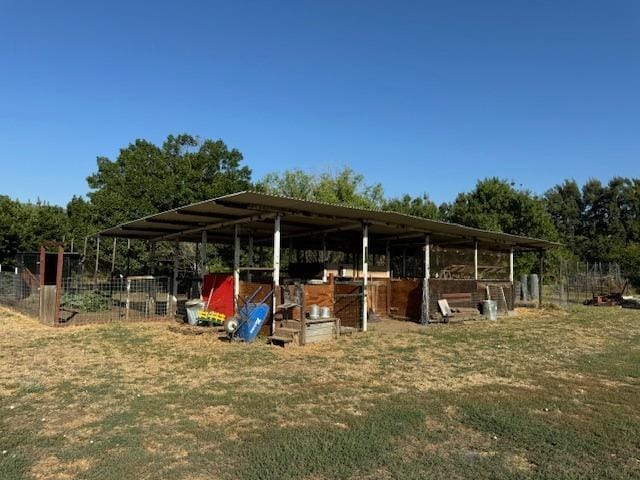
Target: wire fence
575, 283
20, 291
126, 299
82, 301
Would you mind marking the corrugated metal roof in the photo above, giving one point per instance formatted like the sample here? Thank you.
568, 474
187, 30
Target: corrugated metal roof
304, 219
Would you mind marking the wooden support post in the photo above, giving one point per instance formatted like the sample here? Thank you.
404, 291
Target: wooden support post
84, 255
128, 257
404, 262
540, 282
250, 258
113, 255
153, 258
276, 271
324, 259
95, 272
43, 262
475, 259
203, 254
387, 257
236, 266
424, 314
59, 267
290, 253
365, 274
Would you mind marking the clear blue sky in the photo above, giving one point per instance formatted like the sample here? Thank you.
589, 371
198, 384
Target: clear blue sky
422, 96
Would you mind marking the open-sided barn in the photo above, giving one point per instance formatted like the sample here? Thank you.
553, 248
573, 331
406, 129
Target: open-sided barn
355, 261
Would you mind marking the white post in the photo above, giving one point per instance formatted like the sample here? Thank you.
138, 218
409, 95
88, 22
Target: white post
203, 254
475, 259
250, 259
236, 267
324, 259
424, 318
365, 274
174, 286
128, 301
511, 265
276, 270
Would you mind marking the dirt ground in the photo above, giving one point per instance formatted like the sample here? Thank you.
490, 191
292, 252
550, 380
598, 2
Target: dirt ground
545, 394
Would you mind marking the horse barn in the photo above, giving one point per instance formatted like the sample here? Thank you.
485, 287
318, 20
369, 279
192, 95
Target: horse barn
364, 265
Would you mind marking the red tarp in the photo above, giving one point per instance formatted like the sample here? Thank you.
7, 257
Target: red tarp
220, 287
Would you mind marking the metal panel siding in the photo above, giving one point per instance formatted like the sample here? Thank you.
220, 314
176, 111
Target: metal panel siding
314, 214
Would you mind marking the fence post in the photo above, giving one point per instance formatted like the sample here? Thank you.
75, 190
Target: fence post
541, 284
43, 256
95, 272
59, 267
128, 301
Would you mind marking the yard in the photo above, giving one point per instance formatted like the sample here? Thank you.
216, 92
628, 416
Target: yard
550, 394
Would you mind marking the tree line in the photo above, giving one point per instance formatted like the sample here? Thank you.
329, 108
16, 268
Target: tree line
596, 222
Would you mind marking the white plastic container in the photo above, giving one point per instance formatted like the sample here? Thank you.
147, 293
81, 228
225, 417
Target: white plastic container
193, 307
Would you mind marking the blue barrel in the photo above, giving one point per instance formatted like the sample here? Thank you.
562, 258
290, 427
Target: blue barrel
249, 330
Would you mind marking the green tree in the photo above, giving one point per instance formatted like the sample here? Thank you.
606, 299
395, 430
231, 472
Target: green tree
420, 206
345, 187
496, 205
10, 235
43, 223
146, 178
564, 204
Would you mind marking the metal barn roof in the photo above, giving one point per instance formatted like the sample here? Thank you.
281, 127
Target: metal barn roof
306, 221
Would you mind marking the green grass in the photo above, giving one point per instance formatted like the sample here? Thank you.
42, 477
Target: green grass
549, 395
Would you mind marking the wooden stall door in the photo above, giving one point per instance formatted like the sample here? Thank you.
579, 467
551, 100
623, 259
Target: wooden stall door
348, 304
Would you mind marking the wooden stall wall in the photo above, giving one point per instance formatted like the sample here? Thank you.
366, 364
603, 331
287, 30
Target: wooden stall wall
321, 295
379, 297
405, 299
348, 304
405, 295
476, 289
247, 289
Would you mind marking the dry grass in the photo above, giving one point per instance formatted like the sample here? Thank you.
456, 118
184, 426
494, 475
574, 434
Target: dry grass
403, 401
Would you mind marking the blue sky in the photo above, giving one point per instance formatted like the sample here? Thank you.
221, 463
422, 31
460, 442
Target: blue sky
420, 96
